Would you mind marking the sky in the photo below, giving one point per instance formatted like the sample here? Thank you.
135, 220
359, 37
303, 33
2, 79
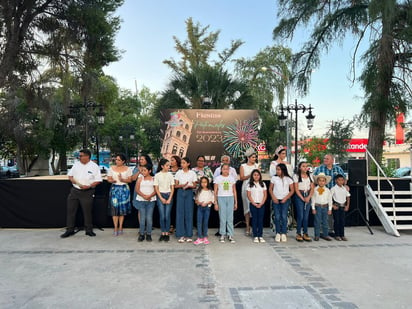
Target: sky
146, 39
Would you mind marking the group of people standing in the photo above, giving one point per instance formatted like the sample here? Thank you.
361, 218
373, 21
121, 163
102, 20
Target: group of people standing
176, 179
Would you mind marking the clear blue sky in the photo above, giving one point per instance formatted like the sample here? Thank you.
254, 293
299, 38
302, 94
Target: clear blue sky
146, 39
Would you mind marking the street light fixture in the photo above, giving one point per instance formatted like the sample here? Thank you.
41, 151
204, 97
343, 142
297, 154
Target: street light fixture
296, 108
100, 115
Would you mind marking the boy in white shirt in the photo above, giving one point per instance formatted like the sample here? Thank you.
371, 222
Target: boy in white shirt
322, 206
341, 201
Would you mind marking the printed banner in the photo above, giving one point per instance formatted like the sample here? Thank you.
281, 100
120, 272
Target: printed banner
208, 132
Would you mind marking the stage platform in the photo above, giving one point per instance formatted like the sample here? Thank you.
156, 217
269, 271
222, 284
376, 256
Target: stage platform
40, 202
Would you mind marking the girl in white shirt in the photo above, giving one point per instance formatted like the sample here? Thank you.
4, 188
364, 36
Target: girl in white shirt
226, 202
185, 182
304, 187
164, 187
146, 198
204, 199
257, 194
281, 189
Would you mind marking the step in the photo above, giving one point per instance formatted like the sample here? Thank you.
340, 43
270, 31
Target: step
401, 218
398, 209
404, 226
390, 192
397, 200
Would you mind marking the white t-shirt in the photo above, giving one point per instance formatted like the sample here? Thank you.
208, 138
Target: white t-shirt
304, 185
225, 185
85, 174
164, 180
272, 168
206, 196
115, 175
147, 188
281, 186
339, 194
257, 192
184, 177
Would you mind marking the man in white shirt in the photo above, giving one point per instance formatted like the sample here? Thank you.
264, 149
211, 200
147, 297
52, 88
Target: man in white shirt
225, 159
85, 176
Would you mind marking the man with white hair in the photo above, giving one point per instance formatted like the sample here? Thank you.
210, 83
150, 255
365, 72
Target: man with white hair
225, 159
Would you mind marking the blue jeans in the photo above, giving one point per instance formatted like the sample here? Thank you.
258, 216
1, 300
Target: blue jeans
321, 221
164, 213
257, 220
302, 214
281, 216
226, 206
339, 221
203, 214
184, 213
146, 216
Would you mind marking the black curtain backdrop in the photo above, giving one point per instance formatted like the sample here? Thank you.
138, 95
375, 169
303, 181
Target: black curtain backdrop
31, 203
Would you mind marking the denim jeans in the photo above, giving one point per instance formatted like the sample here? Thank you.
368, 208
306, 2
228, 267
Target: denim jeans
257, 220
339, 221
281, 216
226, 205
203, 214
164, 213
146, 216
321, 221
302, 215
184, 213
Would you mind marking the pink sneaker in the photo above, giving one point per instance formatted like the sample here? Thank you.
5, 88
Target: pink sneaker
198, 241
206, 241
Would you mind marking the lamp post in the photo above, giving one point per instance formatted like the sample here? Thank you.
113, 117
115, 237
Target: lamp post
285, 120
126, 143
87, 107
296, 108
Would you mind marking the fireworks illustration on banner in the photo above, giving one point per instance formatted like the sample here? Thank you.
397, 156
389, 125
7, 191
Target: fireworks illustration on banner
240, 136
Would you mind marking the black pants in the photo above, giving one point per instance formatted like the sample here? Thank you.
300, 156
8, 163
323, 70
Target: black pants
84, 198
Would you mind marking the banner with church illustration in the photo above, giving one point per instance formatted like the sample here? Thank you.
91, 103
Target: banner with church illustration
208, 132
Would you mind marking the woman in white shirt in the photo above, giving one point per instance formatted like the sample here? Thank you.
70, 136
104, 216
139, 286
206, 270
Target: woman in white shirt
119, 176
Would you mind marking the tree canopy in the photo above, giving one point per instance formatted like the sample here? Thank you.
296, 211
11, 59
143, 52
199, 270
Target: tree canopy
386, 25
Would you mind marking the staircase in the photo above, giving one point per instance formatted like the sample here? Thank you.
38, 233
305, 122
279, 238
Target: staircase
393, 208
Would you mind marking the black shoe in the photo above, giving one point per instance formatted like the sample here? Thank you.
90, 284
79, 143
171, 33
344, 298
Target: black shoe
90, 233
166, 238
149, 237
217, 234
162, 237
67, 234
141, 238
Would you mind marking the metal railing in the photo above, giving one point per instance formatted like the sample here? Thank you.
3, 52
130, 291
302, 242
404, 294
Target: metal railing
380, 171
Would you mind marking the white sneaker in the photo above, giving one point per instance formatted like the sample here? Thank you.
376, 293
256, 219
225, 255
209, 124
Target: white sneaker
283, 238
222, 239
261, 239
232, 241
277, 238
255, 239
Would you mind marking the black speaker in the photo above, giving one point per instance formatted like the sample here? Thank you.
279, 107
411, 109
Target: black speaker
357, 172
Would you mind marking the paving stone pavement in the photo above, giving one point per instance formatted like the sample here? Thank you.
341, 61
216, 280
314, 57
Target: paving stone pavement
40, 270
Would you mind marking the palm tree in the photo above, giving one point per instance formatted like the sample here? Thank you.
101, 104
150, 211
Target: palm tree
207, 87
386, 73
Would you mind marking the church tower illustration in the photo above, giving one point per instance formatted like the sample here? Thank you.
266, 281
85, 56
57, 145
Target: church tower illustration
177, 135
